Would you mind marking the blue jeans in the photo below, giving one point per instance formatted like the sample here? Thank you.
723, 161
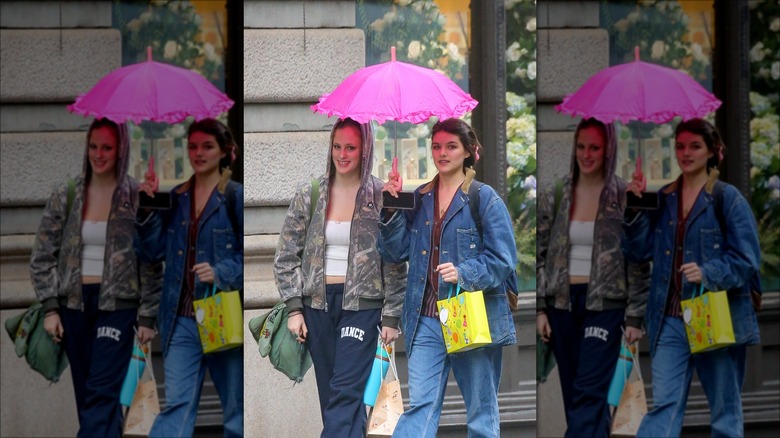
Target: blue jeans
477, 372
721, 373
185, 368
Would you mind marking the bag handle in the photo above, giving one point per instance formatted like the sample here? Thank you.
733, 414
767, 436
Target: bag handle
634, 360
147, 357
391, 359
457, 291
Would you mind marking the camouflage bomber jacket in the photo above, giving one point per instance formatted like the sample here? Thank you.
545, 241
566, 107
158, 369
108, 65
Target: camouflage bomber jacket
614, 282
55, 264
299, 264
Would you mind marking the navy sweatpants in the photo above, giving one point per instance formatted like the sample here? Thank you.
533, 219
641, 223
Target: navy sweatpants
342, 344
586, 345
98, 345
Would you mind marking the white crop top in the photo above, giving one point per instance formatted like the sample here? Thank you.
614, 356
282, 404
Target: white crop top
336, 247
580, 247
93, 247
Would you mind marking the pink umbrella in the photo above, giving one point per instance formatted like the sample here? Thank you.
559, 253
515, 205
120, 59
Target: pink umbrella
152, 91
639, 91
398, 91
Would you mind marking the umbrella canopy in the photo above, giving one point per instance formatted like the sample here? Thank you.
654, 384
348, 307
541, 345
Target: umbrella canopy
398, 91
639, 91
152, 91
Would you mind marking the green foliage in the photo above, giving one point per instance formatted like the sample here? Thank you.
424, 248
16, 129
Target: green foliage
521, 180
521, 46
415, 28
172, 30
765, 132
521, 132
659, 29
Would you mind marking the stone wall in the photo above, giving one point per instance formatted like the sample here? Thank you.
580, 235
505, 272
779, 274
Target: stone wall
291, 57
570, 49
49, 53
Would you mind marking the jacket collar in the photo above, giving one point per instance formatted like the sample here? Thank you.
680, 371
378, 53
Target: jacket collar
223, 181
712, 178
470, 173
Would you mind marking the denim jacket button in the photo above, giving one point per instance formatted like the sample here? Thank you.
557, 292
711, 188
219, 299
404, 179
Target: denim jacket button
668, 252
180, 252
424, 252
427, 223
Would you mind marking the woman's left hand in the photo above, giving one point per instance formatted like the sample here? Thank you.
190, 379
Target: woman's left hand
389, 335
448, 272
633, 334
692, 272
145, 334
205, 272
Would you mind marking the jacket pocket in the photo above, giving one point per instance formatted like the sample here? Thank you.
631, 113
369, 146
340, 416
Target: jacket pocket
468, 243
711, 244
224, 244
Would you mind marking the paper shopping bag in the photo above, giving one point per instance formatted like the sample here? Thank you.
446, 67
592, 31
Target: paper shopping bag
464, 321
389, 406
145, 405
707, 321
220, 320
633, 405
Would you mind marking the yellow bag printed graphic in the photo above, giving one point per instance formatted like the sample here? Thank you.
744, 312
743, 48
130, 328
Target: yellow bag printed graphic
707, 321
464, 321
220, 320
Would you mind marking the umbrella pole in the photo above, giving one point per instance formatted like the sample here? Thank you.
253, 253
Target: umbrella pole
395, 137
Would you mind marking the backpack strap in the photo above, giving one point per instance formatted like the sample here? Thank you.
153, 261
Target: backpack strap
315, 195
717, 203
558, 197
473, 195
230, 204
71, 195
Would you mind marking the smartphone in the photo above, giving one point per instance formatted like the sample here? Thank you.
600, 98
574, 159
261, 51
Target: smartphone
404, 201
161, 200
648, 201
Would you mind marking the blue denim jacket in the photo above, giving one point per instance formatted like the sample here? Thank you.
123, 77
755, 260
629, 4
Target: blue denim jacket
482, 264
727, 261
163, 236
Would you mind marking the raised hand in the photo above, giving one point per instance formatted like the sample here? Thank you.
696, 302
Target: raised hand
151, 183
394, 182
638, 182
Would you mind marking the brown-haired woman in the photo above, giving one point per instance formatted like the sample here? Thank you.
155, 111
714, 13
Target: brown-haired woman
586, 291
335, 285
92, 286
703, 236
201, 240
444, 247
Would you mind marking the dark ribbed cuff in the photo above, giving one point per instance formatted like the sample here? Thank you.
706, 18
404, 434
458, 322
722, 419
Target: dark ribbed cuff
390, 321
294, 303
146, 321
50, 304
634, 321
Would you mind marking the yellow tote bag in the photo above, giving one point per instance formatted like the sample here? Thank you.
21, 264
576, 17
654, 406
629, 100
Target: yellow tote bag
220, 320
464, 321
707, 320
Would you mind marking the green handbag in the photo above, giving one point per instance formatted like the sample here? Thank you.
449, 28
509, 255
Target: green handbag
31, 341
